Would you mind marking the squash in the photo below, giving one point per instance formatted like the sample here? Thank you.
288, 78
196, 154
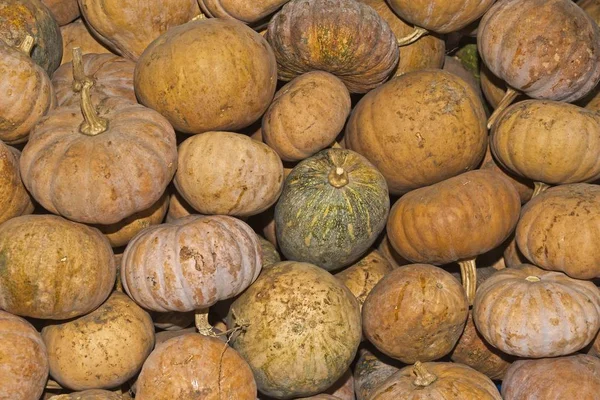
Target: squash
103, 349
573, 377
14, 199
524, 186
592, 100
51, 268
558, 230
529, 312
27, 92
20, 18
455, 220
300, 329
172, 321
247, 12
437, 381
64, 11
415, 313
344, 204
163, 336
24, 359
343, 37
239, 176
92, 394
77, 34
419, 129
270, 254
320, 397
306, 115
236, 83
178, 207
371, 370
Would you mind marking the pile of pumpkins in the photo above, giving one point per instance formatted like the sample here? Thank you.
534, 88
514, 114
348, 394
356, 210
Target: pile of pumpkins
299, 199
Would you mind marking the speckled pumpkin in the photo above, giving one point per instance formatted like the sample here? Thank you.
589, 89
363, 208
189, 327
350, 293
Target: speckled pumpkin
343, 37
44, 271
245, 11
371, 370
77, 34
523, 185
92, 394
455, 66
64, 11
333, 207
14, 199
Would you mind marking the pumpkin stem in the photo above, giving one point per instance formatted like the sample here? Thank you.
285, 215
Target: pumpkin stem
532, 278
26, 45
510, 96
199, 16
52, 385
468, 273
423, 377
92, 124
204, 327
539, 188
338, 177
79, 77
417, 34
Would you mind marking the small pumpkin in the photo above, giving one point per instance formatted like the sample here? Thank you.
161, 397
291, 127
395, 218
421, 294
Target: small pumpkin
247, 12
494, 89
14, 199
524, 186
64, 11
178, 207
371, 370
92, 394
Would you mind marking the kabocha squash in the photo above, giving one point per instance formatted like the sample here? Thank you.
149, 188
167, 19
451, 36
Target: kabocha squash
225, 88
103, 349
228, 174
333, 207
574, 377
343, 37
524, 186
301, 329
92, 394
306, 115
27, 92
24, 359
172, 321
241, 10
64, 11
455, 220
178, 207
52, 268
415, 313
77, 34
558, 230
370, 371
419, 129
529, 312
14, 199
194, 365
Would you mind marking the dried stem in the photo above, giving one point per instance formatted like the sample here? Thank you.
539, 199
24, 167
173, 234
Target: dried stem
423, 377
92, 124
468, 273
26, 45
539, 188
510, 96
415, 35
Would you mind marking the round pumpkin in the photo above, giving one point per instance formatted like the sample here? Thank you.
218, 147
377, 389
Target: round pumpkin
524, 186
370, 371
92, 394
419, 129
336, 232
300, 329
64, 11
172, 321
102, 349
343, 37
529, 312
226, 88
178, 207
52, 268
23, 359
77, 34
14, 199
244, 11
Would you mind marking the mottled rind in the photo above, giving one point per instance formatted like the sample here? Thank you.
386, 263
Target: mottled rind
14, 199
178, 207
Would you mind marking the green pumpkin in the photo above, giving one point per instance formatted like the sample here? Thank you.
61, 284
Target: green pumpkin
333, 206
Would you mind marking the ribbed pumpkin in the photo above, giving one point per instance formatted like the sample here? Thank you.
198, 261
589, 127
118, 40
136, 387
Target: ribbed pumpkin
14, 199
512, 255
77, 34
524, 186
64, 11
529, 312
343, 389
92, 394
333, 207
245, 11
52, 268
371, 370
342, 37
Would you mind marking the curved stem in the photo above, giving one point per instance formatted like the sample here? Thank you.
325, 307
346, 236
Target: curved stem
468, 273
26, 45
417, 34
510, 96
92, 124
79, 77
338, 177
539, 188
204, 327
423, 377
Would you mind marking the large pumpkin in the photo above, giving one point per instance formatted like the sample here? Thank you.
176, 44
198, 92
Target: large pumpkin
77, 34
64, 11
14, 199
344, 37
343, 202
245, 11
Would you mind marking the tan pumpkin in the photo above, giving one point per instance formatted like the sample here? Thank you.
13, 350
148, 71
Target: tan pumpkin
53, 268
77, 34
529, 312
27, 92
103, 349
172, 321
238, 176
23, 359
163, 336
178, 207
592, 100
244, 11
524, 186
64, 11
236, 82
14, 199
92, 394
371, 370
419, 129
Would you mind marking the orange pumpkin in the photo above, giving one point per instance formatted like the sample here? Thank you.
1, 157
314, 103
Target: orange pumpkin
524, 186
245, 11
14, 199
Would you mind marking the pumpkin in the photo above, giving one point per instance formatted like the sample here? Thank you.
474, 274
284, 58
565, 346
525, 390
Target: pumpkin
28, 93
343, 389
178, 207
236, 83
23, 358
455, 220
574, 377
52, 268
419, 129
102, 349
557, 230
343, 37
172, 321
306, 115
77, 34
64, 11
456, 67
247, 12
390, 254
529, 312
14, 199
269, 252
524, 186
20, 18
113, 162
92, 394
370, 371
494, 89
163, 336
437, 381
300, 329
239, 176
344, 204
415, 313
512, 255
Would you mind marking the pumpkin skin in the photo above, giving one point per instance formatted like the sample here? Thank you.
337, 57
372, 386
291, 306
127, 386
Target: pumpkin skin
524, 186
24, 359
342, 37
512, 255
573, 377
370, 371
247, 12
46, 274
547, 49
191, 263
303, 329
269, 252
77, 34
558, 230
439, 133
456, 67
178, 207
390, 254
237, 82
14, 199
92, 394
64, 11
103, 349
344, 202
529, 312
